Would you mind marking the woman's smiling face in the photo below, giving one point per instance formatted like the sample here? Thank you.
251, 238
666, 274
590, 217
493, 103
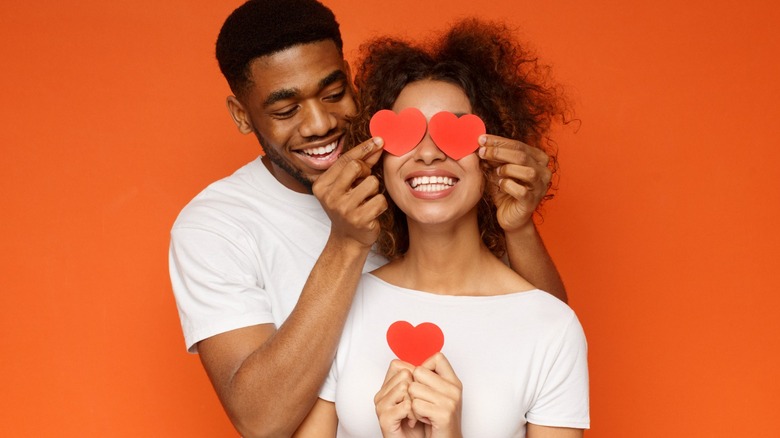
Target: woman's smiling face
425, 183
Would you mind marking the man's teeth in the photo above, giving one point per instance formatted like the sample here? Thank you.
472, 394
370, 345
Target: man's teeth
431, 183
322, 150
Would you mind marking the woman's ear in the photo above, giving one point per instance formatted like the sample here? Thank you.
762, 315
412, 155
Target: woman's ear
239, 115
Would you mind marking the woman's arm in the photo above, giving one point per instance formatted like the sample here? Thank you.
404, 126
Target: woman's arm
536, 431
321, 421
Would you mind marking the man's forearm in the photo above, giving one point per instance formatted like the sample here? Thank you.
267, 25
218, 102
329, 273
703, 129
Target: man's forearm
529, 258
276, 386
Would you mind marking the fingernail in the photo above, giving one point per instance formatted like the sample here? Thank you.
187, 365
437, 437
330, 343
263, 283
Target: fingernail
482, 140
379, 142
482, 152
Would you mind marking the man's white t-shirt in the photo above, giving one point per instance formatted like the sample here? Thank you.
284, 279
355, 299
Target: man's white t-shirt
241, 252
521, 357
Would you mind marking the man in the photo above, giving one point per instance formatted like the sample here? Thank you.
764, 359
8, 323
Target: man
264, 272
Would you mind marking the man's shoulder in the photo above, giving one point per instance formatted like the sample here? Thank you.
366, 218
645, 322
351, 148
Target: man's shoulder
226, 199
251, 202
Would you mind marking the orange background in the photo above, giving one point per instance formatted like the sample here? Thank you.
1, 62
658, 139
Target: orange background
664, 226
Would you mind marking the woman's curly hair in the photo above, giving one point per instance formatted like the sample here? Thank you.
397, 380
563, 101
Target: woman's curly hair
505, 84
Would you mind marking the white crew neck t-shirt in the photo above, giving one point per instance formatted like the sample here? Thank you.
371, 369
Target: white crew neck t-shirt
521, 357
241, 252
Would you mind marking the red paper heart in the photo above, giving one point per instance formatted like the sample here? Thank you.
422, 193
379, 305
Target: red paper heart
414, 344
401, 132
456, 137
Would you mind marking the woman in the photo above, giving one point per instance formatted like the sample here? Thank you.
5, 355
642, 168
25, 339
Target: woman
513, 360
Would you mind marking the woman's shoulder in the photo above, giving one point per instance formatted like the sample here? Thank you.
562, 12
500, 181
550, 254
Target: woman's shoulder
503, 280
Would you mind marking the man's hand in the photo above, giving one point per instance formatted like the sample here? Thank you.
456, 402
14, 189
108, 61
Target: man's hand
521, 179
349, 194
268, 377
519, 183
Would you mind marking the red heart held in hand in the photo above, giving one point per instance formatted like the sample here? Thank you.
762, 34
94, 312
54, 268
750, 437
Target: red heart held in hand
414, 344
456, 137
401, 132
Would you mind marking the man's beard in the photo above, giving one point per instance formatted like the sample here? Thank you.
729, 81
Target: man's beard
283, 164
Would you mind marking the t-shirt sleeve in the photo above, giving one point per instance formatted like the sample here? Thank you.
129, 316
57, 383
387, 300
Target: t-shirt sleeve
216, 285
564, 397
328, 390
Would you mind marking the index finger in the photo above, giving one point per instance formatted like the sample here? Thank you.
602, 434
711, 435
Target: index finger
395, 366
368, 152
439, 364
495, 141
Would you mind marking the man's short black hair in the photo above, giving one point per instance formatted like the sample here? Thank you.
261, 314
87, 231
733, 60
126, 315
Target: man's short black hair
263, 27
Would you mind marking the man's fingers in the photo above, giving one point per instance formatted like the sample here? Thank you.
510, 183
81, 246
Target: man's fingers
373, 207
498, 156
351, 166
341, 179
363, 151
373, 157
523, 174
365, 199
365, 217
513, 189
534, 178
368, 152
495, 148
366, 188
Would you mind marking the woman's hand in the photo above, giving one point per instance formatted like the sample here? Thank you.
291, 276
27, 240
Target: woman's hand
394, 405
436, 397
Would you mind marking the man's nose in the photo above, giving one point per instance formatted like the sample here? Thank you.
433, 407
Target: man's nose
317, 121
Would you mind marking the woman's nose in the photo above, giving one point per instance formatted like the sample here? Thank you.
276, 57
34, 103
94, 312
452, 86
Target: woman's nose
427, 151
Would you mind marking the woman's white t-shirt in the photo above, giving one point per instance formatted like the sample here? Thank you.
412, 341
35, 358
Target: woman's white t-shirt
521, 357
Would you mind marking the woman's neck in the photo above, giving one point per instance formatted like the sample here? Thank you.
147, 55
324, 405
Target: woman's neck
447, 259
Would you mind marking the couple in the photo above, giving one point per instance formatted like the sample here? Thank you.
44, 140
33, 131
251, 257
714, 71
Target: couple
265, 274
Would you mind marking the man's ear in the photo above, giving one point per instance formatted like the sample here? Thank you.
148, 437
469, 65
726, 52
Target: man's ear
239, 114
350, 79
348, 70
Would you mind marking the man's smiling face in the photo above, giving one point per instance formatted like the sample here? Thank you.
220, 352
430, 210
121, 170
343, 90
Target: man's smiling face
297, 105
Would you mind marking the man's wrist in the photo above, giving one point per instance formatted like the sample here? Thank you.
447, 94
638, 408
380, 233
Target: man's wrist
522, 233
346, 246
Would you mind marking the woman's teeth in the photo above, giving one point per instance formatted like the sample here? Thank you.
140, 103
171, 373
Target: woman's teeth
431, 183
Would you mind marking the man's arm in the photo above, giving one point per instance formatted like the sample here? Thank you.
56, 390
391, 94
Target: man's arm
522, 179
268, 379
529, 258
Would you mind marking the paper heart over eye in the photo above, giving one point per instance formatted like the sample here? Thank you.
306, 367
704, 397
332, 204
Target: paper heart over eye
414, 344
456, 137
401, 132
